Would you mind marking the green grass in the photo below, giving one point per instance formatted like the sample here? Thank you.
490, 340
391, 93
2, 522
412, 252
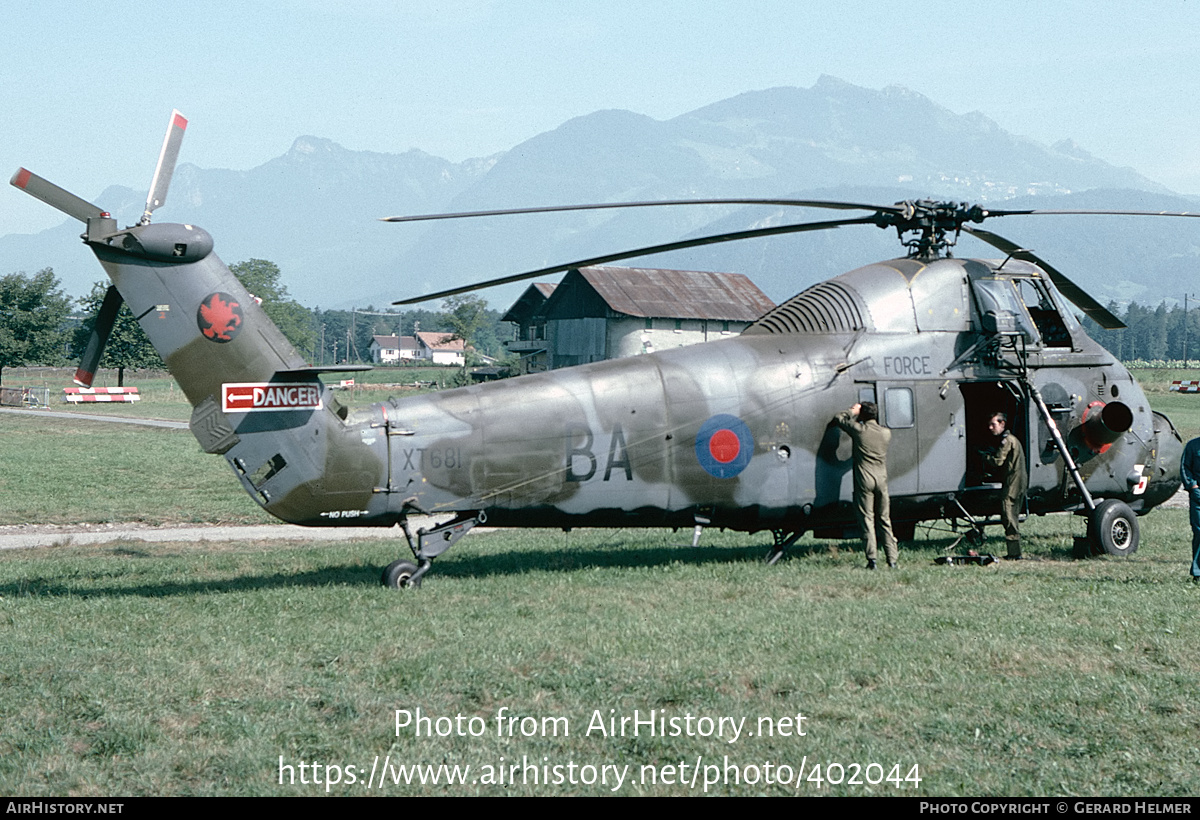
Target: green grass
192, 668
59, 471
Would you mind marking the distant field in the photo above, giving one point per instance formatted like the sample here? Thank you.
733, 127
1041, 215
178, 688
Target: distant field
1182, 408
161, 398
219, 669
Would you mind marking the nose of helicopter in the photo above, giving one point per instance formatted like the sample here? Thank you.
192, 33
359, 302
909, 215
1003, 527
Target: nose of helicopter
1168, 447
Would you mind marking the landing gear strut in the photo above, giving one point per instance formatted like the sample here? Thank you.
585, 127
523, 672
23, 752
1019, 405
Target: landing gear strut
1112, 526
783, 540
403, 574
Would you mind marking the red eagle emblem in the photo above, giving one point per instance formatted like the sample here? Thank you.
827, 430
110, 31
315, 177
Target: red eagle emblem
219, 317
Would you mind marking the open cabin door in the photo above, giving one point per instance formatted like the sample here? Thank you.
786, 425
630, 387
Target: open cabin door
981, 401
927, 453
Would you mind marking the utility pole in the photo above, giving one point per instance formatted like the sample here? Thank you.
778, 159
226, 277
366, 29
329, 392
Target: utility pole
1185, 330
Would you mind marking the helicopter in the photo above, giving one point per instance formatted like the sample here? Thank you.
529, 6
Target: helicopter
735, 433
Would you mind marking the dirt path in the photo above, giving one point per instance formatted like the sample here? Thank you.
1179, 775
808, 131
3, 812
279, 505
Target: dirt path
56, 414
27, 536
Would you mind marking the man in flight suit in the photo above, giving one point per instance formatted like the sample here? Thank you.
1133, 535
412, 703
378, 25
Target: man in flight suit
1007, 457
871, 500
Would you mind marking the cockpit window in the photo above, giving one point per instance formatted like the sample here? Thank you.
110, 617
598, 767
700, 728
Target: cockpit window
1000, 310
1067, 311
1044, 312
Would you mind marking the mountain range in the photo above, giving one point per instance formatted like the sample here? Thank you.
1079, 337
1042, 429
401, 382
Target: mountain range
314, 211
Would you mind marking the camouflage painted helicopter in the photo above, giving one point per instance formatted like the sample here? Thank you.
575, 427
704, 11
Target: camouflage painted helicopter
731, 433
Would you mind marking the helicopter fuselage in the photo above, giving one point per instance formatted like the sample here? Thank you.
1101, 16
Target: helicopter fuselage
738, 432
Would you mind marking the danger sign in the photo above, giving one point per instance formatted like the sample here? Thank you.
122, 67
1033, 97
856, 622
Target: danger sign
257, 397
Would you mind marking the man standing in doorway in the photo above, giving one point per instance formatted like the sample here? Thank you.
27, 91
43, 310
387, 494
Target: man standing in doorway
870, 445
1189, 471
1007, 457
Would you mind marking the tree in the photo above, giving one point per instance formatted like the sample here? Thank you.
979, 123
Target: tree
261, 278
467, 316
33, 316
127, 346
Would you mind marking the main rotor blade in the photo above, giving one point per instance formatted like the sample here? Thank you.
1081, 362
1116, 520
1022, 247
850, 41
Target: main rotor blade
54, 196
1045, 212
651, 249
166, 164
105, 319
801, 203
1096, 311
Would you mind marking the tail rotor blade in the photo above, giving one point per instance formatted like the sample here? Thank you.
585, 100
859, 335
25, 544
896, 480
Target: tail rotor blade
166, 164
54, 196
90, 361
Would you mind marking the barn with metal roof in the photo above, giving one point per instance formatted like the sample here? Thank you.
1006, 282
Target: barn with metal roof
598, 313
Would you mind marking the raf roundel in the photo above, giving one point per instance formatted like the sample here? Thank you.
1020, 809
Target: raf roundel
724, 446
219, 317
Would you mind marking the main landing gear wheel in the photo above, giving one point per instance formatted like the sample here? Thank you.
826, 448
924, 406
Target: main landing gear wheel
398, 575
1113, 528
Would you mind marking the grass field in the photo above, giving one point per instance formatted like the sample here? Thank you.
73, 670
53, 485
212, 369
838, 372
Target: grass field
69, 471
223, 668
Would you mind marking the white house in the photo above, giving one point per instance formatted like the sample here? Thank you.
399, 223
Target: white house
441, 348
394, 349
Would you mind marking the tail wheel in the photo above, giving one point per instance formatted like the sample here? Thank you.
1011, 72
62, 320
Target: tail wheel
398, 575
1113, 528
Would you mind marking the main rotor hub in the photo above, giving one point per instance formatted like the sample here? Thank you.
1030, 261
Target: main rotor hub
932, 222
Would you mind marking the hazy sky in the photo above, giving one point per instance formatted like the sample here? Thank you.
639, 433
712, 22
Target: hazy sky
88, 87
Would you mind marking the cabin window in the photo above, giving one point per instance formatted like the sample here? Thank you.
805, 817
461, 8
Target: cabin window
898, 407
